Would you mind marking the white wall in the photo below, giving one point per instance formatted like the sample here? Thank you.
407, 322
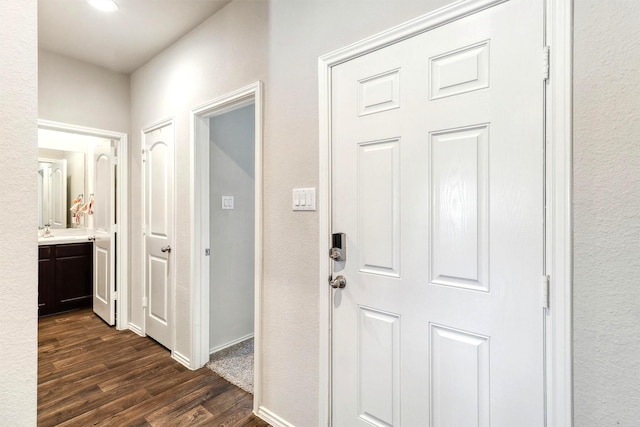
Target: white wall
18, 245
75, 92
232, 173
278, 42
607, 213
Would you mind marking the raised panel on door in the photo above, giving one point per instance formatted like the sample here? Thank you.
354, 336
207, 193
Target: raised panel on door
378, 367
159, 171
158, 205
158, 290
437, 181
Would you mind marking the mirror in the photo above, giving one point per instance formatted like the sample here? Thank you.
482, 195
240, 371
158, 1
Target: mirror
61, 177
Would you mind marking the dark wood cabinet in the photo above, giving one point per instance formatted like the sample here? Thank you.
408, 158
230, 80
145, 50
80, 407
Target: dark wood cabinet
64, 277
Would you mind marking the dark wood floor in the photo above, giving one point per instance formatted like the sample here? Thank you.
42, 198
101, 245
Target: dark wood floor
92, 375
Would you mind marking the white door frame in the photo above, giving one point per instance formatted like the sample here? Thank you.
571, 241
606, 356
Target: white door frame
558, 246
200, 224
122, 209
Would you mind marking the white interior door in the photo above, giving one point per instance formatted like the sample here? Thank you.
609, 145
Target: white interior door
104, 222
159, 231
58, 194
437, 181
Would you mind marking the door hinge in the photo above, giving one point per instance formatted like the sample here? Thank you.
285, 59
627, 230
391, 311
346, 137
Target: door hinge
114, 296
115, 161
207, 252
545, 63
145, 302
114, 228
546, 283
144, 155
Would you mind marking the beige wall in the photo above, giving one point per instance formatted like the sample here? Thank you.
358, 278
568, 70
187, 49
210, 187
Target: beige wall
75, 92
18, 241
607, 213
278, 42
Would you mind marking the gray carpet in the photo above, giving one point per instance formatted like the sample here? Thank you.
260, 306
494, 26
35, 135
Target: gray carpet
235, 364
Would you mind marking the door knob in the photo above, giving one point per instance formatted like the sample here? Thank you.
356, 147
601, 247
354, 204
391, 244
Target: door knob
338, 283
165, 248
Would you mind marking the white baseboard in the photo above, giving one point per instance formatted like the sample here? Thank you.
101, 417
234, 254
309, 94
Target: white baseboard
136, 329
182, 359
273, 419
230, 343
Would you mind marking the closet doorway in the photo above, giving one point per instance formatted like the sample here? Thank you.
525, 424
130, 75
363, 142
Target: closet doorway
227, 232
107, 223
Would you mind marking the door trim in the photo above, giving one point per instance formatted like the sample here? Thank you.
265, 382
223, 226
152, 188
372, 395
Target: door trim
172, 309
558, 245
559, 194
122, 209
200, 233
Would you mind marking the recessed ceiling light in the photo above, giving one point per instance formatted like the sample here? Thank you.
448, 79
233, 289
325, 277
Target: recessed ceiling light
104, 5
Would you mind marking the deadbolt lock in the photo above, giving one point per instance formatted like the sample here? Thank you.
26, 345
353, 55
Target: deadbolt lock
338, 251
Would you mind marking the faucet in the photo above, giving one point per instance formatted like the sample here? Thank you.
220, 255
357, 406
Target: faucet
47, 231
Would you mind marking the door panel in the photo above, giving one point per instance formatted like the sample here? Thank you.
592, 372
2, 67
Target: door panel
159, 170
437, 181
459, 377
158, 293
379, 207
102, 203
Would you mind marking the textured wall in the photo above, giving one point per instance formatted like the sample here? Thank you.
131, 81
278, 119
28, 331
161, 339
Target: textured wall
607, 213
278, 42
75, 92
18, 241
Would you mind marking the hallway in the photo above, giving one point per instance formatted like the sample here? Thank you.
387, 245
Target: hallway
91, 374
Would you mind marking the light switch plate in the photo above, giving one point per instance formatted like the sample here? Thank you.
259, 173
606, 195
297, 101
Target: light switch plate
304, 199
227, 202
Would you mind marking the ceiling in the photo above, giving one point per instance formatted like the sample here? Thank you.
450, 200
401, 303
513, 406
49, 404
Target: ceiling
121, 41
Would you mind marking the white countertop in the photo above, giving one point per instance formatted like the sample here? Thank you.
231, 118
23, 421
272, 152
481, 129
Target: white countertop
61, 236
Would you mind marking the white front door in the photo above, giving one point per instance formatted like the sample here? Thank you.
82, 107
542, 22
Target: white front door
104, 220
159, 270
437, 181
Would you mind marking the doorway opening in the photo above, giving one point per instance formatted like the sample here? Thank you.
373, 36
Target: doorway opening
95, 206
227, 228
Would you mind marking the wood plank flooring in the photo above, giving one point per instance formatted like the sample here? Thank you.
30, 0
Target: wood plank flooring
92, 375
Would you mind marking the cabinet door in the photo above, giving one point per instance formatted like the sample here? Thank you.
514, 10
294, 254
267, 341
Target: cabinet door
46, 280
73, 270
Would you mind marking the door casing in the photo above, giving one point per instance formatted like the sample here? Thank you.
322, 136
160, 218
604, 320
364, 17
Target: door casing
251, 94
558, 169
122, 209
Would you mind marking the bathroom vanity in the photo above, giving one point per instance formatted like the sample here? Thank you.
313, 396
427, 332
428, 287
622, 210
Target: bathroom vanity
64, 275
